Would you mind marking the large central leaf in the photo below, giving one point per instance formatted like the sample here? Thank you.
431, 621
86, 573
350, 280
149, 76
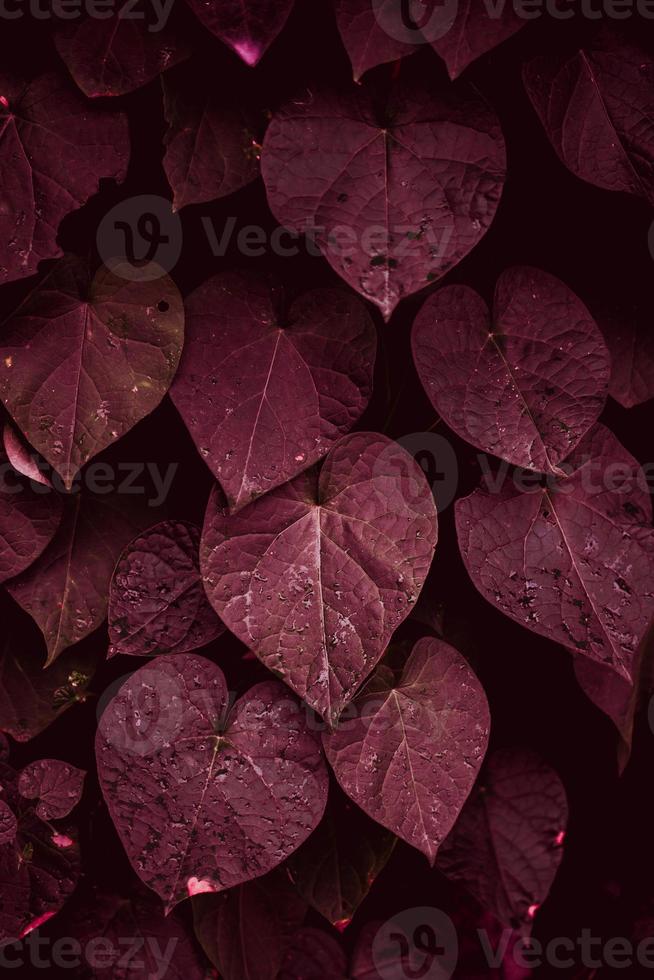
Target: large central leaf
205, 798
317, 575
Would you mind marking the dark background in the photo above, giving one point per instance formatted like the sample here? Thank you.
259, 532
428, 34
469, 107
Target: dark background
594, 241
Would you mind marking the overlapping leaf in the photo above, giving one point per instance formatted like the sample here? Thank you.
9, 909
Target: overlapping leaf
54, 149
526, 383
66, 590
572, 560
122, 50
594, 107
317, 575
84, 358
56, 785
631, 344
248, 27
157, 603
377, 31
410, 750
314, 955
394, 197
265, 401
205, 798
506, 845
29, 518
211, 149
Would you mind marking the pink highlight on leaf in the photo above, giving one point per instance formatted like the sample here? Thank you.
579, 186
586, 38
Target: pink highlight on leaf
4, 101
531, 911
198, 886
249, 52
342, 924
36, 923
60, 840
560, 837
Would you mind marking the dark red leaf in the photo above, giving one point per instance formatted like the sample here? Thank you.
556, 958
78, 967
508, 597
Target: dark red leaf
8, 824
246, 931
265, 401
248, 27
393, 197
336, 868
31, 698
56, 785
86, 357
123, 50
631, 345
29, 518
314, 955
317, 575
157, 603
65, 591
410, 750
377, 31
205, 798
574, 560
506, 845
54, 148
592, 106
211, 150
526, 383
21, 456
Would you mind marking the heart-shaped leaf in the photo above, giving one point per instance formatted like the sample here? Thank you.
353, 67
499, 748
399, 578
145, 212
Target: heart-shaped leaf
31, 698
335, 869
317, 575
29, 518
592, 106
211, 150
65, 591
526, 383
268, 908
55, 784
39, 867
573, 560
264, 401
157, 603
84, 359
248, 27
54, 148
393, 197
460, 31
410, 750
121, 51
506, 845
631, 344
205, 798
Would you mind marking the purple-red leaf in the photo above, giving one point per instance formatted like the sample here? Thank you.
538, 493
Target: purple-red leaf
314, 955
157, 603
56, 785
594, 107
526, 383
336, 868
317, 575
248, 27
131, 939
65, 591
631, 345
39, 867
29, 518
8, 824
21, 456
204, 797
54, 148
393, 197
31, 698
120, 51
377, 31
85, 358
506, 845
211, 149
409, 751
246, 931
573, 560
263, 398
